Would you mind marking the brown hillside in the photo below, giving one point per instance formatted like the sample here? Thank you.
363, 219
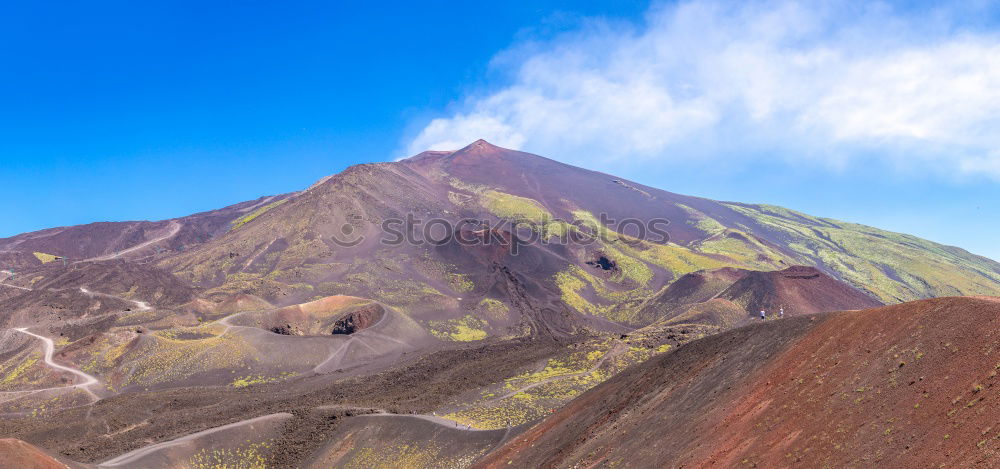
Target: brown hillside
102, 239
797, 289
690, 289
712, 297
20, 455
909, 385
715, 312
122, 335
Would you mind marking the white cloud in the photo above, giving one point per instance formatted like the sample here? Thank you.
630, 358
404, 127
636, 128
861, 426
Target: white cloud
798, 79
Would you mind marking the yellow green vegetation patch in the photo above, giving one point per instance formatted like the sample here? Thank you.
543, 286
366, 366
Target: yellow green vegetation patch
510, 206
250, 380
618, 296
45, 258
514, 207
617, 305
15, 371
570, 285
256, 213
702, 221
171, 356
631, 252
465, 329
101, 355
247, 456
370, 280
534, 393
895, 267
496, 309
418, 455
458, 282
744, 250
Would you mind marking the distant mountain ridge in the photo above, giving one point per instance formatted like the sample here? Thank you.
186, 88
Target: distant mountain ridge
289, 249
478, 290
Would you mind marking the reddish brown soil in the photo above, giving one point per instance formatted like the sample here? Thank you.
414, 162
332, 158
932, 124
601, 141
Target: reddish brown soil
910, 385
355, 321
689, 289
798, 289
711, 296
20, 455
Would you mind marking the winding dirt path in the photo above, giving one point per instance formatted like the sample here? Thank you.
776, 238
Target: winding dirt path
174, 229
15, 286
50, 348
126, 459
142, 305
444, 422
225, 321
132, 456
10, 274
434, 419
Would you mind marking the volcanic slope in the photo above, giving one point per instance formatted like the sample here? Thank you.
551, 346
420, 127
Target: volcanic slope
727, 297
308, 289
330, 240
796, 290
908, 385
892, 266
305, 248
91, 291
123, 240
391, 441
18, 454
689, 290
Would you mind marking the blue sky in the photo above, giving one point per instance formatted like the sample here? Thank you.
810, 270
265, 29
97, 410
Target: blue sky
883, 114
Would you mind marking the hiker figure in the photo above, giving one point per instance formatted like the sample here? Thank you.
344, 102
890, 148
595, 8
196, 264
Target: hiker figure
781, 312
762, 315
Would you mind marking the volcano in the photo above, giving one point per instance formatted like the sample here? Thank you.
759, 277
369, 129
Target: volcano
475, 290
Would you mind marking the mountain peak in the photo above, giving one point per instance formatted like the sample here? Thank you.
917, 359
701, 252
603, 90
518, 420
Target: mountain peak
481, 146
478, 148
